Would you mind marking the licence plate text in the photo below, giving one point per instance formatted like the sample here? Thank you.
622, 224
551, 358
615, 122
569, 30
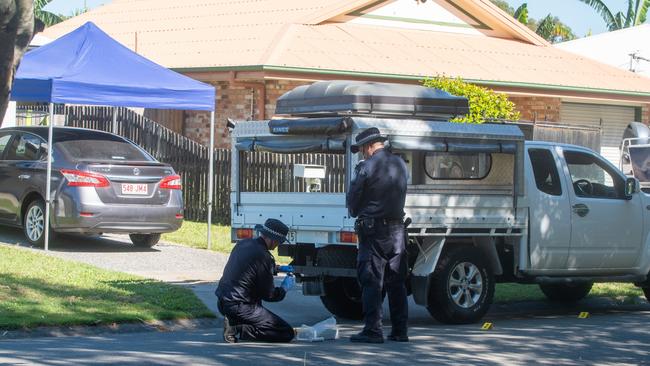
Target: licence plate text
129, 188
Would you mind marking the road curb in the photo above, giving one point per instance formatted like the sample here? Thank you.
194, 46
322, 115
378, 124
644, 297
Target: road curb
93, 330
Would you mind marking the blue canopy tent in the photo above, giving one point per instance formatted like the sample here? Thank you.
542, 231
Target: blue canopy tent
87, 66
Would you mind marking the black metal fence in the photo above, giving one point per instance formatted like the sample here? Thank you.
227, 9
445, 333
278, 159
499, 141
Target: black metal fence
188, 158
261, 172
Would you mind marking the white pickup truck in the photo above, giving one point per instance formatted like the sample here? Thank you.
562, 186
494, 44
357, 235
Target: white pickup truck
484, 205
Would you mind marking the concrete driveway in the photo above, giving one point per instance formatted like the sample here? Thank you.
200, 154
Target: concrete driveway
165, 262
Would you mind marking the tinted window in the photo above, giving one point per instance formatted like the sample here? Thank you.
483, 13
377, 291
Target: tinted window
25, 147
4, 140
101, 148
547, 178
438, 165
593, 178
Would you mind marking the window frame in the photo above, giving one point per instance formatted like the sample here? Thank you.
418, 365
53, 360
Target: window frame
487, 172
11, 135
18, 135
556, 170
604, 165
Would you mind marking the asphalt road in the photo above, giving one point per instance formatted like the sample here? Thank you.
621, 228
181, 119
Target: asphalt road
523, 333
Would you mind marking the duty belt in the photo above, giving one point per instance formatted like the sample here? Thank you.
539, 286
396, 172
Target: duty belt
377, 220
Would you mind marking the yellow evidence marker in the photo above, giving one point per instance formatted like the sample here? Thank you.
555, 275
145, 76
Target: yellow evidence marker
583, 315
486, 326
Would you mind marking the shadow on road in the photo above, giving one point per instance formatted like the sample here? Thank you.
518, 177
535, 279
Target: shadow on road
75, 243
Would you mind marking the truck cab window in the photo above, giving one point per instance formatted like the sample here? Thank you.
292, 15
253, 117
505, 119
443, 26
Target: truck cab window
592, 177
545, 172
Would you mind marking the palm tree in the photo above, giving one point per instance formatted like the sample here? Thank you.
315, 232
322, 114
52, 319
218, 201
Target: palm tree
521, 14
46, 17
553, 30
637, 11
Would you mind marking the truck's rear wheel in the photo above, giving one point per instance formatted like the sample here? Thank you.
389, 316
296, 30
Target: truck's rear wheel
566, 292
343, 297
462, 287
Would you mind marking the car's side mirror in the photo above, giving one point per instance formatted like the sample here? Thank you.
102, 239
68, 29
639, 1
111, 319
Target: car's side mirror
632, 186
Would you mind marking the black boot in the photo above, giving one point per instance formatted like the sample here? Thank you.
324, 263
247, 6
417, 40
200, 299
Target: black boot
366, 338
229, 331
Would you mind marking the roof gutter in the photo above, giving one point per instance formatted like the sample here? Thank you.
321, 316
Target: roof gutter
362, 74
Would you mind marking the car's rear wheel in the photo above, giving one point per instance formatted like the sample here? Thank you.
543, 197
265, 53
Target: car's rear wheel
144, 240
34, 223
566, 292
343, 297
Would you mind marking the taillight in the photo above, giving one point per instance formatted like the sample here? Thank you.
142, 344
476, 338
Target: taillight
171, 182
77, 178
244, 233
348, 237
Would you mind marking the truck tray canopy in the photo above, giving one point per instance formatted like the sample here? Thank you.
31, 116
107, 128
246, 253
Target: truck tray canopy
329, 134
343, 97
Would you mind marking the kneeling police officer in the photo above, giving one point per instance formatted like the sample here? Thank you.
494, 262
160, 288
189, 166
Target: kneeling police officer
247, 281
376, 197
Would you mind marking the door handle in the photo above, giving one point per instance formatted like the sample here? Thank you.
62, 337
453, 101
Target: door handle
581, 209
23, 176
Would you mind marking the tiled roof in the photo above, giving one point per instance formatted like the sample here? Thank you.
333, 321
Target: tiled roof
204, 34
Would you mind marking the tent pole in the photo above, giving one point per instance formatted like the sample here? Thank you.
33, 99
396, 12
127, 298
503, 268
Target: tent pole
210, 180
115, 120
49, 177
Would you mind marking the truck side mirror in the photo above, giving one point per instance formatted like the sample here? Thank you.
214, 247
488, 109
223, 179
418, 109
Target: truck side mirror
632, 186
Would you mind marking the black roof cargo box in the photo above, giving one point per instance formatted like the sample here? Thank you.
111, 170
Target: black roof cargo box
344, 97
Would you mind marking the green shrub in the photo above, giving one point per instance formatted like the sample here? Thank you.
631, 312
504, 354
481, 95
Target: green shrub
484, 104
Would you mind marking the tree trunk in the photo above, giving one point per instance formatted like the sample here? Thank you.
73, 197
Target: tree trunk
16, 32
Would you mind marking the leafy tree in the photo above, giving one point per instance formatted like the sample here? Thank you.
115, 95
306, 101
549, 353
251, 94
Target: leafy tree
503, 5
553, 30
549, 28
17, 27
636, 14
484, 104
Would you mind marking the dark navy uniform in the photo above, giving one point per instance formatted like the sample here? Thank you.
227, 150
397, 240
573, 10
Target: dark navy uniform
376, 197
247, 281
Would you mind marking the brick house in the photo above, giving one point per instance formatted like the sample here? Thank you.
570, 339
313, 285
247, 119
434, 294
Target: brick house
255, 50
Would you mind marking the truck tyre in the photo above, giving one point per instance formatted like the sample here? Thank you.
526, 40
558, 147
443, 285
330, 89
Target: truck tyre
462, 286
343, 297
144, 240
566, 292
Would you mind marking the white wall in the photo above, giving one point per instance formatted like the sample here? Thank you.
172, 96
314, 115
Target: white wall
10, 116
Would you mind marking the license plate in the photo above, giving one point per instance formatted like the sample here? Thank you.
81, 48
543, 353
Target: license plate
291, 236
129, 188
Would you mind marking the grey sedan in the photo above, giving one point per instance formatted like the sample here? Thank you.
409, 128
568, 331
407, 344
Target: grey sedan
101, 183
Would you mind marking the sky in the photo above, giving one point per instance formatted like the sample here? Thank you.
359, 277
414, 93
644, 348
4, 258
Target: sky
574, 13
577, 15
67, 7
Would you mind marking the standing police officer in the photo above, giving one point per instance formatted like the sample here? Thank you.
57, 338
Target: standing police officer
247, 280
376, 197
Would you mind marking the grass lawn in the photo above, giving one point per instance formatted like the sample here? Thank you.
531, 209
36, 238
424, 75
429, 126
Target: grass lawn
195, 235
36, 289
624, 292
